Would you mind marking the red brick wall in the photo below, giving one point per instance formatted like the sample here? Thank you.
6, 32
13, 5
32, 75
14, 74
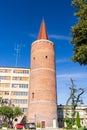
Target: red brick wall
42, 91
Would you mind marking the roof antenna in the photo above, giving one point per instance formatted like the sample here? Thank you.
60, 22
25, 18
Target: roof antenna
17, 49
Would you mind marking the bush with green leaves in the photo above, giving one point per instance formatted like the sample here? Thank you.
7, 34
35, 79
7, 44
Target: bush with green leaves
78, 124
5, 124
69, 122
38, 125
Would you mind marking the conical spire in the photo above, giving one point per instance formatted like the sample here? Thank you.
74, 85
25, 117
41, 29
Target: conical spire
42, 33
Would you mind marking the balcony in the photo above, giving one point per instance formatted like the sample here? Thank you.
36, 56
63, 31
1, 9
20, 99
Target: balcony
19, 81
4, 89
5, 81
19, 97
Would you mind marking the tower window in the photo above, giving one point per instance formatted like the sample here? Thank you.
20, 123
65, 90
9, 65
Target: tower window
46, 57
33, 95
33, 58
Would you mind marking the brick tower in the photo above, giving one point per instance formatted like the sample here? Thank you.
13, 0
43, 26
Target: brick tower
42, 91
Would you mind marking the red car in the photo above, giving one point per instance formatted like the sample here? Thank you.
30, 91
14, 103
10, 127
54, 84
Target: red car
19, 126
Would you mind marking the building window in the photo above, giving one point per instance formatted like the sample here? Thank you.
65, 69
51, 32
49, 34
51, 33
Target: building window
33, 58
2, 77
15, 85
21, 71
20, 101
33, 95
7, 93
46, 57
23, 86
14, 78
20, 78
5, 70
19, 85
24, 109
21, 93
25, 72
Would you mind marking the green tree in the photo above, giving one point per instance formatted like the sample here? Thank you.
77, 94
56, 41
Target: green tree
8, 113
79, 32
17, 112
78, 120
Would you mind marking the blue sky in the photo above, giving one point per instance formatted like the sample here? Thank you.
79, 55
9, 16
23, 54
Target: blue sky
19, 26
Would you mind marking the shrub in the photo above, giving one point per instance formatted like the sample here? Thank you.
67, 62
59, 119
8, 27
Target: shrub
38, 125
5, 124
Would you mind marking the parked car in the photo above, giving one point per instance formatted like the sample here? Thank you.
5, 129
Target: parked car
19, 126
31, 126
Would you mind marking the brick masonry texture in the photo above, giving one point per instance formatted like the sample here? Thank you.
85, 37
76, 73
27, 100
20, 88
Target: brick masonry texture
42, 91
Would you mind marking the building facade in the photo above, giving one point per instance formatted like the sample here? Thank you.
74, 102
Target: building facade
42, 91
14, 86
62, 114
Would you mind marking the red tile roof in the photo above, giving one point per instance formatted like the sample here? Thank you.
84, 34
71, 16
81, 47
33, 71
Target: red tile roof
42, 33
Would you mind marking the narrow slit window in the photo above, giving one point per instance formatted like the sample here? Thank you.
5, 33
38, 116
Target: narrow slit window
32, 95
46, 57
33, 58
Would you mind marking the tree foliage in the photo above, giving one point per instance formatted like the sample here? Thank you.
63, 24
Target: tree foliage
17, 112
78, 120
8, 113
79, 32
69, 122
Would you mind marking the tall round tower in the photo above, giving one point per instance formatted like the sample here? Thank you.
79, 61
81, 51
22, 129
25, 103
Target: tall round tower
42, 91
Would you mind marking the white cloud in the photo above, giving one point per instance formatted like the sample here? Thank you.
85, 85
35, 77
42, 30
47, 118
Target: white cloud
62, 60
73, 75
32, 35
60, 37
63, 82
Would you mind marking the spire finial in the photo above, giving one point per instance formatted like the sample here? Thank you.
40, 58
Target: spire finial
42, 33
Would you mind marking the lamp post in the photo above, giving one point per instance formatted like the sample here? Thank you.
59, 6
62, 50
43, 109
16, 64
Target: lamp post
35, 118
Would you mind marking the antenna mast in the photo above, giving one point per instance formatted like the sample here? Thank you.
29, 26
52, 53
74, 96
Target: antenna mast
17, 49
